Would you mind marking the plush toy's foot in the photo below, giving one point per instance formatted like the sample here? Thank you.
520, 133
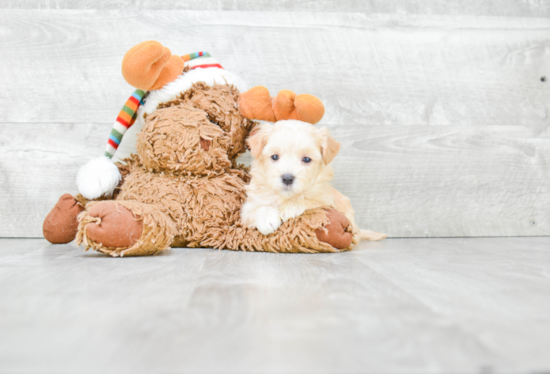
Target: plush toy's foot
149, 66
113, 225
257, 104
124, 228
61, 224
335, 231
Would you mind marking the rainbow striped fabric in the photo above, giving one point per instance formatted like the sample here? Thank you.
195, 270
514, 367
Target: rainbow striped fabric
128, 113
124, 121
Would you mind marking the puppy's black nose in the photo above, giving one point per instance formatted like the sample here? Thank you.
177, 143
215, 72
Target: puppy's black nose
288, 179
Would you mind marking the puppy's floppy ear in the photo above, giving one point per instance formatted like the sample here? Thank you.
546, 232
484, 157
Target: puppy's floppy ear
329, 146
257, 139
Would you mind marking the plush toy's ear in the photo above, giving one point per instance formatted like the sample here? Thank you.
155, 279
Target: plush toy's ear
257, 139
329, 146
257, 104
149, 66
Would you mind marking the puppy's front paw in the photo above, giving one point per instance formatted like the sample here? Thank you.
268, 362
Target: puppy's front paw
267, 220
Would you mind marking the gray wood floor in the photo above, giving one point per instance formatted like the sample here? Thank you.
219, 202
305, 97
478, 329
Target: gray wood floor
397, 306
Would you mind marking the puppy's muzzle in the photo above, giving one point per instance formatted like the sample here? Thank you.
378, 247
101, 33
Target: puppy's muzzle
288, 179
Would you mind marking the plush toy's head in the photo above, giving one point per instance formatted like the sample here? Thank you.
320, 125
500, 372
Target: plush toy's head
199, 133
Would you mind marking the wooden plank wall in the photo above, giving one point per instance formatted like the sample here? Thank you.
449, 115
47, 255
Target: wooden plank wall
441, 109
511, 8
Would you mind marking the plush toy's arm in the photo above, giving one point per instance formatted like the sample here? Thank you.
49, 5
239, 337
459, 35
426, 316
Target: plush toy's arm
317, 230
257, 104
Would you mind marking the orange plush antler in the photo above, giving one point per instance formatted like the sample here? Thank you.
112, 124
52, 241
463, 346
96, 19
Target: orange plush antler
257, 104
149, 66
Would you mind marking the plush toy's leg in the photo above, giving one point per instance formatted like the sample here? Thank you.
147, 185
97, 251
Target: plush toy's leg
61, 225
314, 231
125, 228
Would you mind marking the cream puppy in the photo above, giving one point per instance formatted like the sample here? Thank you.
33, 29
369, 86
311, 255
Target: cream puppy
291, 173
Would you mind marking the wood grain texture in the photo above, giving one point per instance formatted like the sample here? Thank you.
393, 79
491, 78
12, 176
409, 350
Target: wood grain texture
513, 8
446, 181
444, 119
376, 70
396, 306
36, 162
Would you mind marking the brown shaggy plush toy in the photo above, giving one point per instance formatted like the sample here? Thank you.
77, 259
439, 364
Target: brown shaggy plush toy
184, 186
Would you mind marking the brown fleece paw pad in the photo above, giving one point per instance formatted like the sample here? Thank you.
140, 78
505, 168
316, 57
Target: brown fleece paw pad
61, 225
114, 226
334, 233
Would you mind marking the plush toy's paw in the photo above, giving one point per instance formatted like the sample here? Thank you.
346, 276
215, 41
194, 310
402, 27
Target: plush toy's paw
61, 225
125, 228
114, 226
149, 66
257, 104
334, 233
267, 220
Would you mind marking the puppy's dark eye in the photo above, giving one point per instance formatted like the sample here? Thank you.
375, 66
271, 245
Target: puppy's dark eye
275, 157
307, 160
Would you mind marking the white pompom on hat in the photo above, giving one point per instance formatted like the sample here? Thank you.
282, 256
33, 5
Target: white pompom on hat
98, 177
